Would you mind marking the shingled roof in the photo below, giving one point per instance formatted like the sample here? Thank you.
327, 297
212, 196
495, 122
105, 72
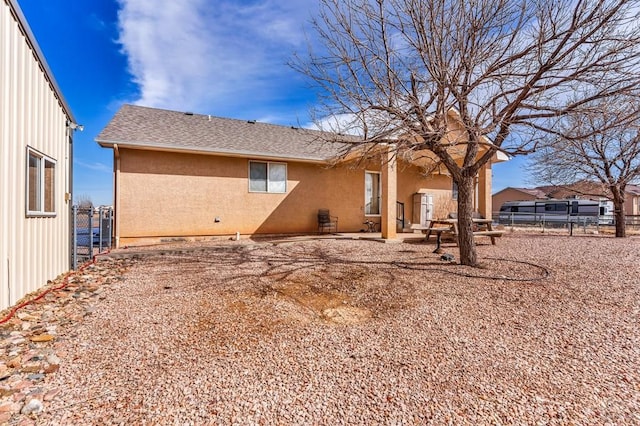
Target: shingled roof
633, 189
150, 128
535, 192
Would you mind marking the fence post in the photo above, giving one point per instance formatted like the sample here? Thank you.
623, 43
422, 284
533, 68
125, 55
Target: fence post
75, 238
111, 239
90, 228
100, 229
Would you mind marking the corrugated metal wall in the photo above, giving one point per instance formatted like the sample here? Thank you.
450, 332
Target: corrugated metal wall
32, 249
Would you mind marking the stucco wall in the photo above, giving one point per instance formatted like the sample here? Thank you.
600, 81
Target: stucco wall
164, 194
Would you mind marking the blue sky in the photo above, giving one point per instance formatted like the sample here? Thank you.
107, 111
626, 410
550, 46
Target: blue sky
226, 58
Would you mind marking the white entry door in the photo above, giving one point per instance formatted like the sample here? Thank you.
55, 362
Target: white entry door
422, 209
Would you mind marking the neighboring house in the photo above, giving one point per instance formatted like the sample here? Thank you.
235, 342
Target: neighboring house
515, 194
188, 175
35, 160
582, 189
632, 202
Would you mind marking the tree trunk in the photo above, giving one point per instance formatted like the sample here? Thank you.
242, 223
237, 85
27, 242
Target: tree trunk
468, 255
619, 212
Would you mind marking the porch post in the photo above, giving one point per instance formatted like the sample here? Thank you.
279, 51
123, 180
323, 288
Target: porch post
484, 191
389, 194
115, 233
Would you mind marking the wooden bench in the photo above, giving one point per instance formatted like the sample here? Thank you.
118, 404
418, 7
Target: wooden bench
491, 234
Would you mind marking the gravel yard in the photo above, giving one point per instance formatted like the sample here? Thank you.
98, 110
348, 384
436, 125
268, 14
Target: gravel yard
359, 332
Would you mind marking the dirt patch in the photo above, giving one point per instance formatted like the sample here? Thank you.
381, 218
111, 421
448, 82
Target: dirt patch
346, 315
327, 305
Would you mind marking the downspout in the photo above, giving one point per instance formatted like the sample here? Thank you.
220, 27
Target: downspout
68, 196
116, 194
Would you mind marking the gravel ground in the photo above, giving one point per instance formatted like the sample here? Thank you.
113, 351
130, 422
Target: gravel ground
358, 332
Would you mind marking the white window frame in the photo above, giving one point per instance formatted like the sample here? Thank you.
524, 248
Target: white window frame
41, 185
379, 214
270, 189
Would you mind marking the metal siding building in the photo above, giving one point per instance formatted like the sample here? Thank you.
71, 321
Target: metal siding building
35, 163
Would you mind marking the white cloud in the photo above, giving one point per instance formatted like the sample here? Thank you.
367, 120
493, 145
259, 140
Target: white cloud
346, 124
212, 57
95, 166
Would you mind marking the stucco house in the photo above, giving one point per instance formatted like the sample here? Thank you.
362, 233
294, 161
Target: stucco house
632, 203
181, 174
35, 159
515, 194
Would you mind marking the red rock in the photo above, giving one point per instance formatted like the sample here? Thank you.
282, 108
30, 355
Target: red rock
51, 368
20, 396
19, 385
51, 394
9, 407
5, 417
6, 391
42, 338
14, 362
32, 367
27, 317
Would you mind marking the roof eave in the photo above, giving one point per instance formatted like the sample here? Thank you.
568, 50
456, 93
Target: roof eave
217, 152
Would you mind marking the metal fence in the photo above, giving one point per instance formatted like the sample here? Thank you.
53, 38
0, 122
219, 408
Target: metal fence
632, 221
543, 221
91, 233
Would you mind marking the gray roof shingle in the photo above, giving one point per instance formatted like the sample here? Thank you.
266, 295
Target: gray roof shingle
143, 127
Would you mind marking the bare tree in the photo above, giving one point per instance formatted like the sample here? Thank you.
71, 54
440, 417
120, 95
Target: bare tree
599, 144
84, 201
509, 69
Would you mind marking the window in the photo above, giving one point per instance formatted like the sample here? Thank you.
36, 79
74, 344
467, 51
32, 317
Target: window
574, 207
267, 177
40, 184
454, 191
371, 193
556, 207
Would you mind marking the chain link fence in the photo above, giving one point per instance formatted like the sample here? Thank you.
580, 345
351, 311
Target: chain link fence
91, 233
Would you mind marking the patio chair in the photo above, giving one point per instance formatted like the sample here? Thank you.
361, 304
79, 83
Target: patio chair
326, 221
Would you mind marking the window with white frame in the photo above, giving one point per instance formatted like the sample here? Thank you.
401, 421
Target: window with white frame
372, 193
267, 177
41, 177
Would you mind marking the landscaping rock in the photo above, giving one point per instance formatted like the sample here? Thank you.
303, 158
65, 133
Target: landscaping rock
42, 338
29, 340
34, 406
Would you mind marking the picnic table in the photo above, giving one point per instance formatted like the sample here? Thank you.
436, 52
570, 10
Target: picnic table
482, 228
